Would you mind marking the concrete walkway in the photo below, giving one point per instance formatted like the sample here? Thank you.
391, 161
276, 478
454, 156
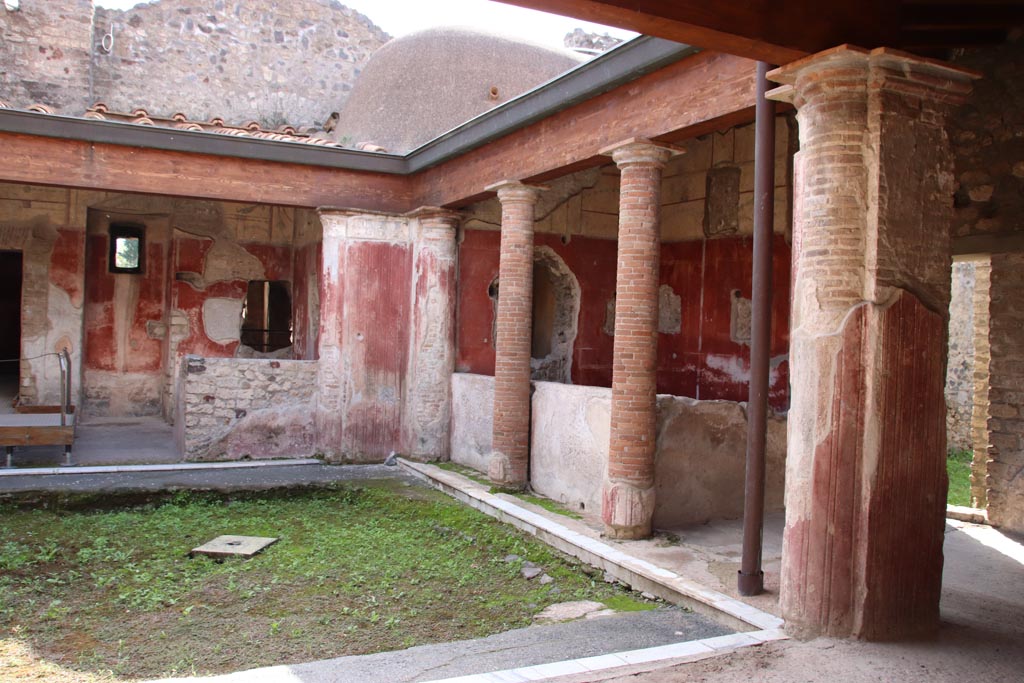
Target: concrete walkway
525, 647
211, 477
108, 441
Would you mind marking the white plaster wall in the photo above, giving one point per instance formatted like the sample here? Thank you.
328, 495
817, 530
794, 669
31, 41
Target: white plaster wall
700, 461
472, 419
569, 443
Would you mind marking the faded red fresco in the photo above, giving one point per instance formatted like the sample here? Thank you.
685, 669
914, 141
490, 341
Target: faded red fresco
307, 271
701, 361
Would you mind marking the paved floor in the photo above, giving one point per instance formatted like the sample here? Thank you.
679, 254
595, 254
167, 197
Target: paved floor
981, 637
109, 441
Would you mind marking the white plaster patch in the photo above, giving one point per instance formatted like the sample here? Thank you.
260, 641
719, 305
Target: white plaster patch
222, 319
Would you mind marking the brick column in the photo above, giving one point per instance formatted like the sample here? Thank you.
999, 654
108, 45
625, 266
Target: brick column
865, 473
511, 455
627, 500
432, 352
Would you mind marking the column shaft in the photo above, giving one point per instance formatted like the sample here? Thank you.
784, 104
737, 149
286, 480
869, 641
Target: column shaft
509, 462
627, 503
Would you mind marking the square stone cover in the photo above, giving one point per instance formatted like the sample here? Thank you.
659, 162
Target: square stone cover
233, 546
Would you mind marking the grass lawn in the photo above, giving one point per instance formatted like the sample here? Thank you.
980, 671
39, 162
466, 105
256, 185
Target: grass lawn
958, 467
104, 589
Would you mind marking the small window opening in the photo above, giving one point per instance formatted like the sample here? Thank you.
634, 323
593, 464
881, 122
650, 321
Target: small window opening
267, 315
127, 248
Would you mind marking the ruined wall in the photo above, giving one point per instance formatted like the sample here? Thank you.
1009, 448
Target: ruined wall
47, 225
1006, 393
273, 62
700, 458
706, 262
242, 409
987, 146
989, 219
45, 54
960, 364
126, 332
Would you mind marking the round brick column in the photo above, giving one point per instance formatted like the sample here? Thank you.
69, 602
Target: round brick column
627, 502
510, 458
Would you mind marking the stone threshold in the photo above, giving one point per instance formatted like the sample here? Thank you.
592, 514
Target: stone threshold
639, 574
967, 514
630, 662
169, 467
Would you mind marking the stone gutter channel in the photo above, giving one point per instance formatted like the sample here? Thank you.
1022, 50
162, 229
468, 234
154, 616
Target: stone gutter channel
753, 626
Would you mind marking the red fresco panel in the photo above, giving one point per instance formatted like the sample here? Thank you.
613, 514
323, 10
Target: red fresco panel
376, 337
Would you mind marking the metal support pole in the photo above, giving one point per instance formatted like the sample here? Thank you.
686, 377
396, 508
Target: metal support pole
751, 578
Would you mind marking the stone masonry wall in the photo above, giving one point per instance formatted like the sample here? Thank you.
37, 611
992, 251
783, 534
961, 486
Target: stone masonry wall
241, 409
960, 366
45, 54
1006, 393
269, 61
982, 359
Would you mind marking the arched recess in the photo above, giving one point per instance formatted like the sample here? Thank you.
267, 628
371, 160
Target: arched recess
556, 310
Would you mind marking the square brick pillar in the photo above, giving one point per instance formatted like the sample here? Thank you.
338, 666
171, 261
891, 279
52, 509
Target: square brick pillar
432, 352
865, 474
627, 500
365, 314
510, 458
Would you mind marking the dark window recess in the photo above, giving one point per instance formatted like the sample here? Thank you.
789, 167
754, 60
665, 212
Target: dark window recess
267, 315
127, 248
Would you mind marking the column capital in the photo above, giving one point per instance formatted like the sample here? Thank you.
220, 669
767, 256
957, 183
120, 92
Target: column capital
516, 191
881, 69
436, 216
641, 151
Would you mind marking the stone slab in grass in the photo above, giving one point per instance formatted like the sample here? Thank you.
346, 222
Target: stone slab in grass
234, 546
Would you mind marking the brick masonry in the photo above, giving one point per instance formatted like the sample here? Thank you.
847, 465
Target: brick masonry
234, 409
511, 441
866, 481
627, 501
276, 63
1005, 472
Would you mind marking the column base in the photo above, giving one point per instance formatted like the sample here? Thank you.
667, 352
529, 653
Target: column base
627, 510
501, 472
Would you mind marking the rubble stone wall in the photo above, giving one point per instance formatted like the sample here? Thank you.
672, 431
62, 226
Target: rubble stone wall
242, 409
272, 62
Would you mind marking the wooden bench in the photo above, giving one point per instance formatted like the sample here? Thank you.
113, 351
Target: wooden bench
44, 425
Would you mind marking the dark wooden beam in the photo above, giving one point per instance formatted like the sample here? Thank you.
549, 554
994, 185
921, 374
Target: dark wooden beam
699, 94
71, 163
777, 32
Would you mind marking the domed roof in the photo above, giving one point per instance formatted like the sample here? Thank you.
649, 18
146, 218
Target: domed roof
419, 86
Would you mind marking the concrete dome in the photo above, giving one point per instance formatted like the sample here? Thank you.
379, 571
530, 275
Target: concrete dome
418, 86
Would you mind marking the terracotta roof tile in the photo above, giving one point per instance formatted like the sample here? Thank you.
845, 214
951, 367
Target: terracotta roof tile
180, 121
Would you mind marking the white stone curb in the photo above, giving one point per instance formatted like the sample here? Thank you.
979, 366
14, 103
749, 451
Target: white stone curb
172, 467
696, 649
967, 514
637, 573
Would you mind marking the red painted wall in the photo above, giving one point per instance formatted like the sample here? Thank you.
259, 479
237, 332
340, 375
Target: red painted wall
307, 272
103, 338
701, 361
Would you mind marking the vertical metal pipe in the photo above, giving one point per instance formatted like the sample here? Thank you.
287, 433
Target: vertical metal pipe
751, 578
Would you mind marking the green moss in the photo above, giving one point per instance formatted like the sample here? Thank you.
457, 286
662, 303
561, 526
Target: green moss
467, 472
357, 569
958, 467
629, 603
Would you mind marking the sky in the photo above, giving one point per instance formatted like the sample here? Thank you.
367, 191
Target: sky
399, 17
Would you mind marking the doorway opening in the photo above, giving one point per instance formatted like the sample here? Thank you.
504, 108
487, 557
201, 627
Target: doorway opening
10, 328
